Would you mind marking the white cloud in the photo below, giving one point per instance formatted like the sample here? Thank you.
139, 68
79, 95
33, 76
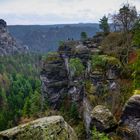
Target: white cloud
58, 11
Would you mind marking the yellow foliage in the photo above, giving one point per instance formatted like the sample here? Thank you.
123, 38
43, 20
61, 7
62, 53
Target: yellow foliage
137, 91
93, 99
89, 87
53, 56
111, 60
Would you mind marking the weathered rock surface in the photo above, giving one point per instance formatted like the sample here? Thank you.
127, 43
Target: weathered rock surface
8, 45
56, 75
3, 24
56, 83
102, 119
54, 80
131, 118
60, 84
48, 128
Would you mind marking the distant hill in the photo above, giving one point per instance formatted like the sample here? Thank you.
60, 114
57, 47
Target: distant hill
44, 38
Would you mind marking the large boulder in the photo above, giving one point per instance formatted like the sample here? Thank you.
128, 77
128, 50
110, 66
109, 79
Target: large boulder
103, 119
48, 128
131, 118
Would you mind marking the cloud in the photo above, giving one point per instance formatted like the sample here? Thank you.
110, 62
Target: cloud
58, 11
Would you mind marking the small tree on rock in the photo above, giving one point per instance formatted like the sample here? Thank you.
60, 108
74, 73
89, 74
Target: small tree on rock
83, 36
104, 25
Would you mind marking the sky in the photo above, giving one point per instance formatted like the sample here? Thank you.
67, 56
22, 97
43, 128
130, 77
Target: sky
45, 12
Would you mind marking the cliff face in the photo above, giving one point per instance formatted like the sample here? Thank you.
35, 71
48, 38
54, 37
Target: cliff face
76, 67
48, 128
8, 45
80, 73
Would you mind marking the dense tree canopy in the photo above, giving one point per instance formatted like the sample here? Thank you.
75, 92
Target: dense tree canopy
19, 89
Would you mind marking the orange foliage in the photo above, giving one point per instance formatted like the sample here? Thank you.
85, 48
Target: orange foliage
133, 57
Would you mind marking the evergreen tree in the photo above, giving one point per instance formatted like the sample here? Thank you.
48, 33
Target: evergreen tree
104, 25
35, 103
26, 109
83, 36
74, 111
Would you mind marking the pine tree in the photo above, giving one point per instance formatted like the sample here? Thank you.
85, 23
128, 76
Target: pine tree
104, 25
83, 36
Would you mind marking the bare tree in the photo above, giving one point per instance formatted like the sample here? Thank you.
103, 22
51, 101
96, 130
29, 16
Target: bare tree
126, 18
124, 21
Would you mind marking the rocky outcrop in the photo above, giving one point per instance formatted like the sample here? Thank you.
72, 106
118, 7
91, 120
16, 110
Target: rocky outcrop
80, 73
103, 119
131, 118
48, 128
54, 80
8, 45
3, 24
56, 75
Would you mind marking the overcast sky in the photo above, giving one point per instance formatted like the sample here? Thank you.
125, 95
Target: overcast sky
58, 11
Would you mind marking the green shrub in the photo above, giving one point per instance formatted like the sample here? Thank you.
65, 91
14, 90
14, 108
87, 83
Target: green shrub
101, 61
136, 70
99, 136
51, 56
76, 67
74, 111
97, 61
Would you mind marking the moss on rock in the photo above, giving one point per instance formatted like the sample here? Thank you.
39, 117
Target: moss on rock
48, 128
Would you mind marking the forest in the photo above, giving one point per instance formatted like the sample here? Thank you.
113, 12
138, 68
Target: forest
20, 88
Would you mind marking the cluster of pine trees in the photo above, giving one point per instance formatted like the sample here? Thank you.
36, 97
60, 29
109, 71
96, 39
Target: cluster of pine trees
19, 89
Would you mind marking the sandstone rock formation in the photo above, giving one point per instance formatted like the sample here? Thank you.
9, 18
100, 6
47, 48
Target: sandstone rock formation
103, 119
54, 79
48, 128
8, 45
85, 90
131, 118
57, 77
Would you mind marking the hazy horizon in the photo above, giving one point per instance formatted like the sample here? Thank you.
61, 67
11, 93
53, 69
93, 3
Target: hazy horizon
53, 24
52, 12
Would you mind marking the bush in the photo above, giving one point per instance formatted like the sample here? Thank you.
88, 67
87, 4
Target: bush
114, 44
136, 72
76, 67
101, 61
51, 56
97, 61
74, 111
99, 136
